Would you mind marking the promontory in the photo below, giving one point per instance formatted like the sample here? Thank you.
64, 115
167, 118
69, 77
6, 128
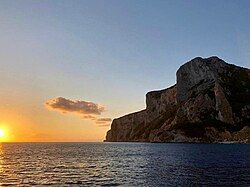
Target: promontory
209, 103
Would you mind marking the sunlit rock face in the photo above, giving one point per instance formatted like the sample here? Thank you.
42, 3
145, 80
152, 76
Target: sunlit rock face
125, 128
197, 75
209, 103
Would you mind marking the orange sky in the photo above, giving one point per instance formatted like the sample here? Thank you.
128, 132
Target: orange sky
25, 118
21, 128
25, 121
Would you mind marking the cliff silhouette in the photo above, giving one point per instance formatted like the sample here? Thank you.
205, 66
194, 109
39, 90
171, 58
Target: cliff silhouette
209, 103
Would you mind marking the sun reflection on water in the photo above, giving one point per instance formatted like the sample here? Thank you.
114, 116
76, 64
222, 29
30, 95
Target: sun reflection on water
1, 157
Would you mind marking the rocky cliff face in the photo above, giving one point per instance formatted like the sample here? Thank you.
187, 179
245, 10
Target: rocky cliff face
209, 103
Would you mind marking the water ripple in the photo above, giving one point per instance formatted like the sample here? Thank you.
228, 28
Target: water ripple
124, 164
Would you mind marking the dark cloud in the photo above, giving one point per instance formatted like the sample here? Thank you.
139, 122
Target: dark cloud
104, 125
87, 110
84, 108
90, 117
103, 121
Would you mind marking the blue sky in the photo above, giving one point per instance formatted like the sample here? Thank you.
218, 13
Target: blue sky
111, 51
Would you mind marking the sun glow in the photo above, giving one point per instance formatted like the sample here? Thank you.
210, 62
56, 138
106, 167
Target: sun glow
2, 133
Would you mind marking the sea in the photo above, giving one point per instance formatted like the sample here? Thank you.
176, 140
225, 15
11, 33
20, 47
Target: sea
124, 164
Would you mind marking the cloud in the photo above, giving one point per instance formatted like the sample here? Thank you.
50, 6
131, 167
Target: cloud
85, 108
90, 117
103, 122
104, 125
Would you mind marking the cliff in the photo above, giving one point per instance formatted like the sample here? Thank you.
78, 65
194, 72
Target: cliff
209, 103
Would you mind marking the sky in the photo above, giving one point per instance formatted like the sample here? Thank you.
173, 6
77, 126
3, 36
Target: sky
67, 68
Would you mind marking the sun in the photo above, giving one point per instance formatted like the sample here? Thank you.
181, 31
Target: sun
2, 133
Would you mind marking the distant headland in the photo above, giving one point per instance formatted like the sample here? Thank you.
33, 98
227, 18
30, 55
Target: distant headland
210, 103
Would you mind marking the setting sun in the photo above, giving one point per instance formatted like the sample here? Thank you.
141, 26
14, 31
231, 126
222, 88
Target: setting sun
2, 133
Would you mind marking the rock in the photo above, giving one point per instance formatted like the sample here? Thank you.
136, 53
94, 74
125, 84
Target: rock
243, 135
222, 105
198, 72
209, 103
226, 136
127, 127
212, 134
158, 102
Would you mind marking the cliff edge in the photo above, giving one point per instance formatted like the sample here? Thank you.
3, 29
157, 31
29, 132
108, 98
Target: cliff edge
209, 103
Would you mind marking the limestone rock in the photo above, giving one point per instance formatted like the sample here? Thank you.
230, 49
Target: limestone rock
209, 103
198, 72
222, 105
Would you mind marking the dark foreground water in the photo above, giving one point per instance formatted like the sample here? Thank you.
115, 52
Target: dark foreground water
125, 164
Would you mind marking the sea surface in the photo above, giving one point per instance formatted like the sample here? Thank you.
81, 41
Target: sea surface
124, 164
